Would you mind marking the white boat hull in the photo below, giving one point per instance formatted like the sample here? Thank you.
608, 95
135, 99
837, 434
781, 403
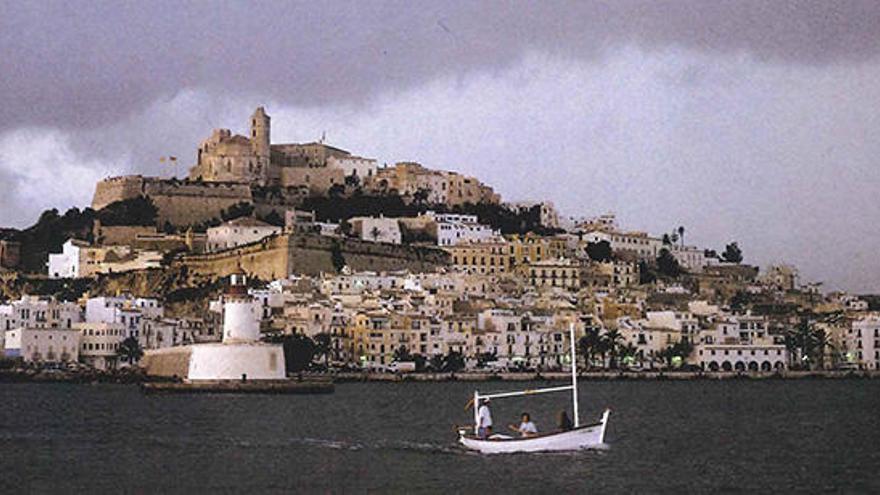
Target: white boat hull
585, 437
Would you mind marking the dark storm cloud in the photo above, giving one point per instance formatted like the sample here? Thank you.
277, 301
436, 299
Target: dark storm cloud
83, 64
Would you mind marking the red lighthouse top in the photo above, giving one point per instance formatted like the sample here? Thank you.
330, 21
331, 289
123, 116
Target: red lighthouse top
237, 284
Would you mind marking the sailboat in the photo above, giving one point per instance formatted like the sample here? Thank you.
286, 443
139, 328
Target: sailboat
578, 438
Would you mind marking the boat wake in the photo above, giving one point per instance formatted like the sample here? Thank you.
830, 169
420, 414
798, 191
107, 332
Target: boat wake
347, 445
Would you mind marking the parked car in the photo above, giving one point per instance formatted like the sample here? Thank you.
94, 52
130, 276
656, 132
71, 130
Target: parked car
402, 367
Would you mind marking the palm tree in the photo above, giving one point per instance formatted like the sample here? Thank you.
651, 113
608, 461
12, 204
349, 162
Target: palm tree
323, 346
590, 344
402, 354
130, 350
681, 234
791, 346
682, 349
436, 362
821, 342
613, 341
800, 342
629, 352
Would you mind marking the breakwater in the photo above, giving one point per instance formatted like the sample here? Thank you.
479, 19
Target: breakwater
309, 386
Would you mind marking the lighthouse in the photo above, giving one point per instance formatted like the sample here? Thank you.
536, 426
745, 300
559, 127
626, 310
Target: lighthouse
241, 356
241, 319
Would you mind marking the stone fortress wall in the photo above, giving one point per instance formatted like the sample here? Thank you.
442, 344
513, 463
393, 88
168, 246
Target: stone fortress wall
284, 255
179, 202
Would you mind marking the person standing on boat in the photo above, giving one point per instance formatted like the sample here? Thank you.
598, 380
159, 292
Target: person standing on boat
565, 423
484, 428
526, 427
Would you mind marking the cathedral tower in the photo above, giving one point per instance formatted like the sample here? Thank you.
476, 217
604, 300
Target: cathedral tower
260, 133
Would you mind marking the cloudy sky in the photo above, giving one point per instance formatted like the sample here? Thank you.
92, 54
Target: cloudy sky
747, 121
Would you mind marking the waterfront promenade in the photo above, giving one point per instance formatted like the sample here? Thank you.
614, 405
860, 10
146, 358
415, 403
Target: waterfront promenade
599, 375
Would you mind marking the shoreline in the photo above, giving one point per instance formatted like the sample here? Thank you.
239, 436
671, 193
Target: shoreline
29, 376
601, 376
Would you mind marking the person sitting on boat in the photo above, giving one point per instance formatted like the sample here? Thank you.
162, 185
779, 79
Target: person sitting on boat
484, 428
564, 422
526, 427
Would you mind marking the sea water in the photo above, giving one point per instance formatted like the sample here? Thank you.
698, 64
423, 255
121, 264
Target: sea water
685, 437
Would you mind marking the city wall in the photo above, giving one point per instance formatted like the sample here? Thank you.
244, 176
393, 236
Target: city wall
284, 255
181, 203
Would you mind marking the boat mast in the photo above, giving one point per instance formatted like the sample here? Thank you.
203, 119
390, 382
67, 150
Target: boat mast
574, 380
476, 412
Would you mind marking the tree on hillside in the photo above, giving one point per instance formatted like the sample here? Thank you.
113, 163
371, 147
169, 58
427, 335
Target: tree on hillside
352, 180
646, 273
732, 253
599, 251
336, 191
273, 218
666, 240
134, 211
336, 256
667, 264
238, 210
420, 197
740, 300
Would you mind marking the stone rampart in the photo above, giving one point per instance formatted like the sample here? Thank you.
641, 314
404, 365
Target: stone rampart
181, 203
305, 254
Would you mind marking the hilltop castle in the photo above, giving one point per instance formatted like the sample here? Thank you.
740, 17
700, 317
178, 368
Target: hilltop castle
232, 169
253, 159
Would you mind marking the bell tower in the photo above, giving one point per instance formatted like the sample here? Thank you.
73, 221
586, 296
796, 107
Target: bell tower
260, 125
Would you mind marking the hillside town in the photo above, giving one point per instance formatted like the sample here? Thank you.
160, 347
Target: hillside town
365, 267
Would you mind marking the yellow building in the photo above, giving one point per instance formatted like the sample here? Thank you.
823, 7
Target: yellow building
530, 248
483, 258
559, 272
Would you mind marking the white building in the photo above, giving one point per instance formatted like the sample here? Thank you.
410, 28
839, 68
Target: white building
740, 343
353, 166
238, 232
43, 345
861, 343
80, 259
67, 263
39, 312
691, 258
99, 344
375, 229
450, 229
638, 244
